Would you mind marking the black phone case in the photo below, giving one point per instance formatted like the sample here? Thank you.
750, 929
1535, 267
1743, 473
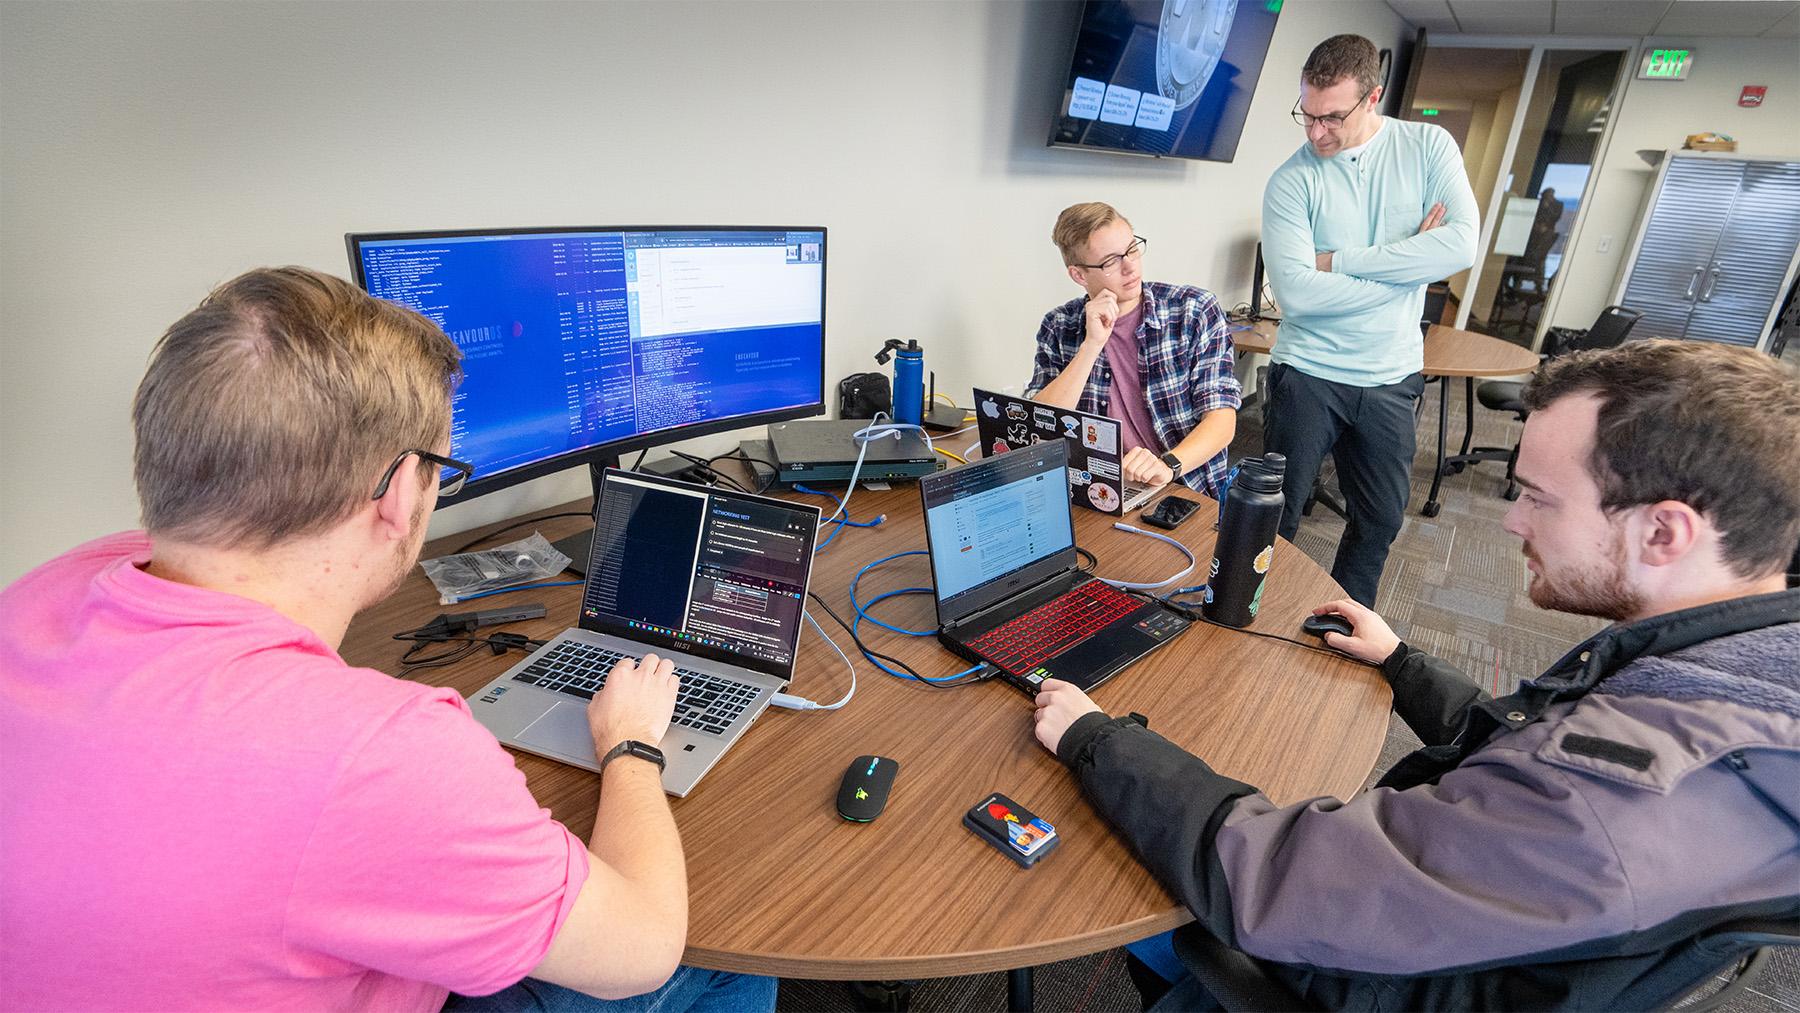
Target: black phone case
973, 822
1155, 520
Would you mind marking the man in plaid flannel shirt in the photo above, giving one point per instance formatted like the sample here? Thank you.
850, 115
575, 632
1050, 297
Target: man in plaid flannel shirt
1156, 357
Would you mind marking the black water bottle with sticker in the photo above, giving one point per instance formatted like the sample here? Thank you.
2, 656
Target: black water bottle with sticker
1246, 545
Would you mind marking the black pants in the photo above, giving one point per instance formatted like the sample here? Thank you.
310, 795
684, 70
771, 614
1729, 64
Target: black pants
1371, 433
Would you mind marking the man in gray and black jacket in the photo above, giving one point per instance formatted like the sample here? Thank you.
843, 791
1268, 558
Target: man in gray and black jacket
1555, 848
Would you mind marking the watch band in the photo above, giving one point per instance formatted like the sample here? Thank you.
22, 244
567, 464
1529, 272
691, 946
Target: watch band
1173, 462
632, 747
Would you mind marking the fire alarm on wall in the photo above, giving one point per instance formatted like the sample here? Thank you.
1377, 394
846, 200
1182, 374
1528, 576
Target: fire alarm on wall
1752, 95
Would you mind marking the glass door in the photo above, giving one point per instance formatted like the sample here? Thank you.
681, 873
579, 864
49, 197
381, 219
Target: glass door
1562, 121
1532, 121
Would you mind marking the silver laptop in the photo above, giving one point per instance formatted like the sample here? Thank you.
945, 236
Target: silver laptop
714, 580
1007, 422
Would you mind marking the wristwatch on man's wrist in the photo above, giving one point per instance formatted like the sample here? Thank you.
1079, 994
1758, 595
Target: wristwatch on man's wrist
632, 747
1174, 463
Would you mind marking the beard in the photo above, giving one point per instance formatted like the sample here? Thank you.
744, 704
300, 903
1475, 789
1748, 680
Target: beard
1599, 590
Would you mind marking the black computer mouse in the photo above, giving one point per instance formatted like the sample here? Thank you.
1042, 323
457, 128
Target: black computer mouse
864, 792
1330, 622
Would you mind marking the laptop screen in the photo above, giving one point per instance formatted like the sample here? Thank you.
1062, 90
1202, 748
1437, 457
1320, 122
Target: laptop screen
718, 574
998, 526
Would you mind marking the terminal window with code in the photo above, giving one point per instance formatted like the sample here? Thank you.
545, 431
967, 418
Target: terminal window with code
713, 570
573, 339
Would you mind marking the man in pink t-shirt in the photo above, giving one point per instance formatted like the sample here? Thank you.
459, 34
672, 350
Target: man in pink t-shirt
205, 807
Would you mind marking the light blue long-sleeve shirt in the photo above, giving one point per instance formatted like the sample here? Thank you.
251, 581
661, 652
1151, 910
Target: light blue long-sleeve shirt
1358, 324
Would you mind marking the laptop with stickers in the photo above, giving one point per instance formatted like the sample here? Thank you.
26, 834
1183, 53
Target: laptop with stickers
1005, 423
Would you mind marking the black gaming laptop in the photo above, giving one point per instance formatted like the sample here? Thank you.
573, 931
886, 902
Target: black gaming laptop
1002, 543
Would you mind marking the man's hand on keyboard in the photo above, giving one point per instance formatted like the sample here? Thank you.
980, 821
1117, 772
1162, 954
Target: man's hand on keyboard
1145, 468
636, 703
1059, 704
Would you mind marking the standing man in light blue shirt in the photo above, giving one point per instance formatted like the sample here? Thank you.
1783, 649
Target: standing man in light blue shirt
1355, 225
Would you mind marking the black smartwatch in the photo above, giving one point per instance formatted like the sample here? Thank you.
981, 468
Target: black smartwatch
632, 747
1174, 463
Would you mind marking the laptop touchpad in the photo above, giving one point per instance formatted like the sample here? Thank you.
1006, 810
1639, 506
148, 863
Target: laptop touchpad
562, 729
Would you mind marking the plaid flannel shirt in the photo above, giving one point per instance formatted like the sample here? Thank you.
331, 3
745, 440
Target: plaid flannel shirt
1184, 358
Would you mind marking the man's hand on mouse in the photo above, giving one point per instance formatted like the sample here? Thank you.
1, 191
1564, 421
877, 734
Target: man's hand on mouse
636, 703
1370, 640
1059, 703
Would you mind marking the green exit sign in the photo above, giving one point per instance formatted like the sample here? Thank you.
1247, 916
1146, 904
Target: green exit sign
1666, 64
1428, 112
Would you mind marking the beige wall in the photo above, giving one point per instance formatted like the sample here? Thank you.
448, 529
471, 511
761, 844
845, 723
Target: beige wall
1657, 115
149, 151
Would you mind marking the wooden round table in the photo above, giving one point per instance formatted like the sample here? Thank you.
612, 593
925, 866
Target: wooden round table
1448, 353
780, 884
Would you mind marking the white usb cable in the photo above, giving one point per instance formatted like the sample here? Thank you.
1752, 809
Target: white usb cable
1131, 585
800, 703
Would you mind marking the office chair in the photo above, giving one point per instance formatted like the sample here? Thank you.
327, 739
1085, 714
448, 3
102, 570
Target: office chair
1611, 328
1686, 979
1523, 282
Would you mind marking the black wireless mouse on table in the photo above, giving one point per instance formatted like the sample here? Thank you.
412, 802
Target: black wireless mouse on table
1330, 622
864, 792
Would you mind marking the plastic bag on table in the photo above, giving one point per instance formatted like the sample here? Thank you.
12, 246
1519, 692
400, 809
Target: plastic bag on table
515, 563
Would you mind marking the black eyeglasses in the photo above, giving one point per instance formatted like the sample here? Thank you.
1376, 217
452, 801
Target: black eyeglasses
1111, 264
1330, 121
451, 472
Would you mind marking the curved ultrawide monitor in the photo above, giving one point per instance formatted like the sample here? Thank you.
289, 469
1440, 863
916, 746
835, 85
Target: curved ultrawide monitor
580, 344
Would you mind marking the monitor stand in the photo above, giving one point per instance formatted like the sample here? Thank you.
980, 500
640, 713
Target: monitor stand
580, 545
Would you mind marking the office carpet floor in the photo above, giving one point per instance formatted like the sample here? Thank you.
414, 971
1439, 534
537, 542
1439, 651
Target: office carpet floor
1455, 586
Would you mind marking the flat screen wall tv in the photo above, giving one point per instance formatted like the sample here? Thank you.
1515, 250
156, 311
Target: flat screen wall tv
1164, 77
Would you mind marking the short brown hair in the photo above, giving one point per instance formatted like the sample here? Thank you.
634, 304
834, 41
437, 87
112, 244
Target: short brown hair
1709, 425
1079, 221
1343, 56
269, 410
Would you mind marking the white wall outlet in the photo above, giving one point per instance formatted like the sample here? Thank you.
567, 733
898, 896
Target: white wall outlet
1604, 246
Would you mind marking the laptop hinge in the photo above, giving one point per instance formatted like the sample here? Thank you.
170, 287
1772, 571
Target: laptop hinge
1062, 581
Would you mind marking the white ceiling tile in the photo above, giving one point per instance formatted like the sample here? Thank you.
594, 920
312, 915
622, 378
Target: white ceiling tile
1432, 15
1786, 28
1504, 17
1724, 17
1609, 17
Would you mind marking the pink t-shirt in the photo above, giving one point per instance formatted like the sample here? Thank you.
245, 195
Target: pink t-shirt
204, 807
1126, 402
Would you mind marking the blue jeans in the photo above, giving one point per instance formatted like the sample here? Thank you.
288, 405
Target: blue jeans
1158, 953
691, 990
1186, 994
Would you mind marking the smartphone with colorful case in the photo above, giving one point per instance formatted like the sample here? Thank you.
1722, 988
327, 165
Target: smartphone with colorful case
1012, 829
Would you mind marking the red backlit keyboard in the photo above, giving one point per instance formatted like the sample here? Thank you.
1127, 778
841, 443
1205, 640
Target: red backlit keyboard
1054, 627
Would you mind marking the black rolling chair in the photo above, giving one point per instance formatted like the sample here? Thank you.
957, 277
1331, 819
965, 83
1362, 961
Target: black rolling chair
1611, 328
1713, 968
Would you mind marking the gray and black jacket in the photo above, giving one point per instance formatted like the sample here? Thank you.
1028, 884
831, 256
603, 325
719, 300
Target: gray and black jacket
1549, 849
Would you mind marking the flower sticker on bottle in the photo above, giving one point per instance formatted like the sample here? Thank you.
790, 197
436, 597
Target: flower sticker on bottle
1263, 559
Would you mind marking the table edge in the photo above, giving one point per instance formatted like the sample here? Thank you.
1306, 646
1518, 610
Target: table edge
945, 966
